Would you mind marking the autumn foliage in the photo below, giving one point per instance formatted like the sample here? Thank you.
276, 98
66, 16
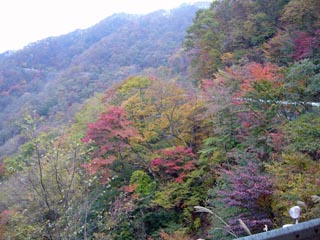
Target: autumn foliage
109, 136
5, 216
304, 45
255, 73
174, 163
110, 132
230, 127
250, 191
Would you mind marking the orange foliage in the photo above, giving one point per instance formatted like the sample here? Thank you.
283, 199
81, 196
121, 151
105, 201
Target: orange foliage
130, 188
267, 72
257, 73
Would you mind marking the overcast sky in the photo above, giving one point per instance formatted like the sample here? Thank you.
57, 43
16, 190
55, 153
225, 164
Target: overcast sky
25, 21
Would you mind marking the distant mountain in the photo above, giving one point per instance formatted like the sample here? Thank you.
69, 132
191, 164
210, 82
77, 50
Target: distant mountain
53, 76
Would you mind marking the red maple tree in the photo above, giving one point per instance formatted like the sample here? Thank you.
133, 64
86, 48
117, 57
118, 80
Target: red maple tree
109, 136
174, 163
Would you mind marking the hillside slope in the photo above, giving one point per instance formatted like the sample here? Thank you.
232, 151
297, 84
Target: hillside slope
54, 75
157, 158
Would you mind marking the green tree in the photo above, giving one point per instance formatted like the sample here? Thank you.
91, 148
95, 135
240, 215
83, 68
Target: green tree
296, 178
302, 81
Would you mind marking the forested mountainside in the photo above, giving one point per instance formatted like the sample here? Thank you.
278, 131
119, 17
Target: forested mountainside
53, 76
215, 141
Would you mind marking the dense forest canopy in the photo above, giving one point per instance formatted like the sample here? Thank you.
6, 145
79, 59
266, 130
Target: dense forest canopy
204, 130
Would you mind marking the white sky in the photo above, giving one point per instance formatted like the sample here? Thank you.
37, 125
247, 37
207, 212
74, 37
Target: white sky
25, 21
